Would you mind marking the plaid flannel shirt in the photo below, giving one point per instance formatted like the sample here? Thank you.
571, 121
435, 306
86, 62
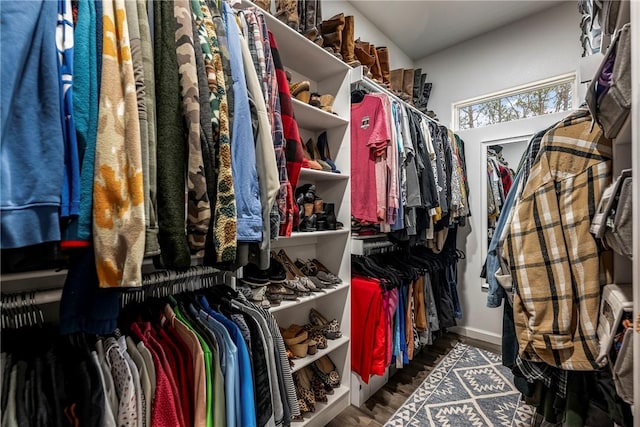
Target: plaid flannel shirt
553, 258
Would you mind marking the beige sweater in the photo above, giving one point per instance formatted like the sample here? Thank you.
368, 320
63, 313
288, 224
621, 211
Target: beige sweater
118, 194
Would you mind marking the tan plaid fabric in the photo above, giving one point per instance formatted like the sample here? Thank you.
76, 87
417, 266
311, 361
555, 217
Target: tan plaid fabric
554, 260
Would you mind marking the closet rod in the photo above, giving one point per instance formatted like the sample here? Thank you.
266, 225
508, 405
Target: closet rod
49, 296
361, 79
32, 298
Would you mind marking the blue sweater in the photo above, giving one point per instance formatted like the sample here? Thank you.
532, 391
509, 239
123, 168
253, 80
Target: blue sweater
32, 149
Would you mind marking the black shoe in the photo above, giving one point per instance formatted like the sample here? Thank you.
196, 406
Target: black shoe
254, 276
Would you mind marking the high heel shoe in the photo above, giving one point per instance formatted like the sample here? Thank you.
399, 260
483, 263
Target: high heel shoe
290, 265
291, 281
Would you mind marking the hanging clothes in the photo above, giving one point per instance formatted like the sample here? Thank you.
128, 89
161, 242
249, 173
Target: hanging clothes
562, 217
30, 207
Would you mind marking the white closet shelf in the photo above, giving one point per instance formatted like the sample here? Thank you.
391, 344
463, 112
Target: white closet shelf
285, 304
332, 345
316, 175
325, 412
302, 234
302, 238
369, 237
300, 53
313, 118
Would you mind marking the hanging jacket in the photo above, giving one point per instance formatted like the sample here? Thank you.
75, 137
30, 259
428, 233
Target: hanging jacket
85, 110
29, 207
118, 194
293, 144
226, 222
198, 206
243, 152
171, 149
557, 285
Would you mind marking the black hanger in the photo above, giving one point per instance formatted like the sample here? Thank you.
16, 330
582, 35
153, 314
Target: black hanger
357, 95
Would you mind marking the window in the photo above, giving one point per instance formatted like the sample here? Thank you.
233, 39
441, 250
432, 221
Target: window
549, 96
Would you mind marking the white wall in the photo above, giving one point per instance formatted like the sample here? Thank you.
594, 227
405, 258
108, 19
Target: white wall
367, 31
543, 45
538, 47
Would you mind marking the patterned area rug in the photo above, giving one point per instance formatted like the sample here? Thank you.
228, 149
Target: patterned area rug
469, 387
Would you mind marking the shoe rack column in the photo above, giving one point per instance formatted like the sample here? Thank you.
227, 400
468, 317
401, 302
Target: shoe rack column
328, 77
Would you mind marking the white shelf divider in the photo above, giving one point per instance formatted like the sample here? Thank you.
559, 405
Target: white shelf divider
313, 118
332, 345
318, 175
287, 304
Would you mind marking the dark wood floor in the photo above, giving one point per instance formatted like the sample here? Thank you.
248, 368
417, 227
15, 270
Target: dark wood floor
382, 405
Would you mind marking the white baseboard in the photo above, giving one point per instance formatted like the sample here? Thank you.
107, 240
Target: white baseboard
478, 334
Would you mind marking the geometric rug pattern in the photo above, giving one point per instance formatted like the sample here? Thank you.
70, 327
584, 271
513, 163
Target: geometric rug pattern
469, 387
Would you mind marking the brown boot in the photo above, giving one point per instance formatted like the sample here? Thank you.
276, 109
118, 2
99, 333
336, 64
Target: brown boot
396, 78
361, 50
376, 72
407, 86
332, 34
347, 47
264, 4
287, 12
383, 58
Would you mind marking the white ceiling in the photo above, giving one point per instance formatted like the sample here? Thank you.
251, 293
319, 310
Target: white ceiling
420, 28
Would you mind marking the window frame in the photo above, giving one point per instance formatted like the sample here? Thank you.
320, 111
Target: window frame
552, 81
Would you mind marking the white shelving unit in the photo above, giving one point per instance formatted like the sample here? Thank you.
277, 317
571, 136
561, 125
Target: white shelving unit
326, 75
634, 152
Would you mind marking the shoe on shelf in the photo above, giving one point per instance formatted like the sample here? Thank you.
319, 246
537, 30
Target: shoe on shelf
347, 47
287, 12
291, 281
331, 30
309, 162
312, 149
317, 386
314, 99
331, 329
291, 266
326, 370
309, 149
253, 276
263, 4
296, 339
304, 393
322, 149
300, 91
312, 272
320, 267
326, 103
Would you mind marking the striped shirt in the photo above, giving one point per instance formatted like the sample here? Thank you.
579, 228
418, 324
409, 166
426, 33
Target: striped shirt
553, 258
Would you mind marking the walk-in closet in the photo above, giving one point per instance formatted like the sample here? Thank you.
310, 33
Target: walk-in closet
266, 213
